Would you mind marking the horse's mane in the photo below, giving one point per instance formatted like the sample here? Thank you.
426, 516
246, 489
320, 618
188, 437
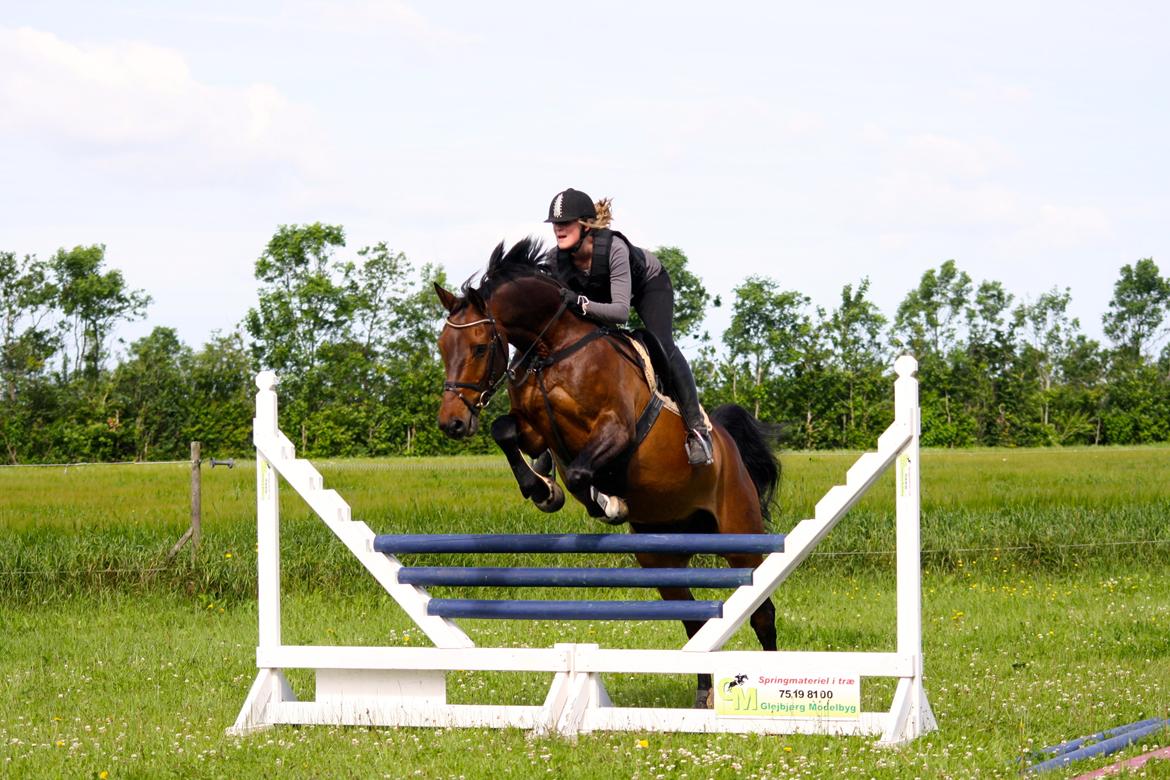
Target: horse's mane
523, 260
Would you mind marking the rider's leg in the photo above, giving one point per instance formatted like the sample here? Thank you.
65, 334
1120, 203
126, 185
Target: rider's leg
698, 437
656, 308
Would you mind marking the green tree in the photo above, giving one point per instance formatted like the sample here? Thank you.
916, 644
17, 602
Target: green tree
27, 300
1049, 338
857, 363
1138, 307
928, 318
1080, 393
769, 330
93, 302
152, 393
222, 396
305, 298
927, 324
27, 342
355, 342
994, 396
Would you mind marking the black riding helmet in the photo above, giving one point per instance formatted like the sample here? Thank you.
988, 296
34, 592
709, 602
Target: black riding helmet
570, 206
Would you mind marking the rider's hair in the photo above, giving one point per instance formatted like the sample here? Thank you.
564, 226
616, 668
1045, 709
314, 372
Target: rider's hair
604, 215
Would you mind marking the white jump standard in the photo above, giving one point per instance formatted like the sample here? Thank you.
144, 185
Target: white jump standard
406, 686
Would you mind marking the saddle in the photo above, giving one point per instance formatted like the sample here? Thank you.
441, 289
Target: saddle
656, 368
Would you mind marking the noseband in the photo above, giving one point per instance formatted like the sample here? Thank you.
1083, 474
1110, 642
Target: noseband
486, 387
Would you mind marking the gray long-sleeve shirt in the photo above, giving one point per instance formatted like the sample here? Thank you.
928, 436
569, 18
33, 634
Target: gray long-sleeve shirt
617, 311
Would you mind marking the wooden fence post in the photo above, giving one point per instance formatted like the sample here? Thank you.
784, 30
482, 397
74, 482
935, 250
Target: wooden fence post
196, 496
195, 531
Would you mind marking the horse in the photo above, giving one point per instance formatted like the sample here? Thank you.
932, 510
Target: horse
577, 389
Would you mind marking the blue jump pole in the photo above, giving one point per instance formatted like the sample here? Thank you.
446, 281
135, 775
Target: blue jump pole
575, 610
1073, 744
479, 576
578, 543
1123, 737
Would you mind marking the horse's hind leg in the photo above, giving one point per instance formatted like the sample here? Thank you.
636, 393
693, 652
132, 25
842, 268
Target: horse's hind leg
739, 513
544, 492
763, 619
703, 697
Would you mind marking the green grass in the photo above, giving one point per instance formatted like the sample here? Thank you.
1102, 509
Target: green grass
1046, 610
144, 686
66, 531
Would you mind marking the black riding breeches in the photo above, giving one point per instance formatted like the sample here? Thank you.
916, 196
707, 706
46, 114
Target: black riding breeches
655, 305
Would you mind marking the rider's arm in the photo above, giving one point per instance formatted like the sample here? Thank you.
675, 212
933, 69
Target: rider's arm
617, 312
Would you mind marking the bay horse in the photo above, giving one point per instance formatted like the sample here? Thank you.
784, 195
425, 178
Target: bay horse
576, 389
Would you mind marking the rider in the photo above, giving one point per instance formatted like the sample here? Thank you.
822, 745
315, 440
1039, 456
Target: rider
609, 273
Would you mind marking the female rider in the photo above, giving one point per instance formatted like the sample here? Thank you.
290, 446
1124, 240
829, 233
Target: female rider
609, 273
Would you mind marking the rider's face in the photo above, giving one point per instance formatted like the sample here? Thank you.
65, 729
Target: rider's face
567, 233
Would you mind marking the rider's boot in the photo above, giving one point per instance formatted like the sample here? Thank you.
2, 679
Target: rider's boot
698, 443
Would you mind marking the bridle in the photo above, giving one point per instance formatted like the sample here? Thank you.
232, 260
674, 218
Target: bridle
487, 386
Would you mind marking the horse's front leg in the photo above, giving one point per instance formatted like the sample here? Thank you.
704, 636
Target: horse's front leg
609, 440
543, 490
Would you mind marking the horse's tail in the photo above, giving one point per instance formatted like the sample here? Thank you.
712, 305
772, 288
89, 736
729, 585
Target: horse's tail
755, 440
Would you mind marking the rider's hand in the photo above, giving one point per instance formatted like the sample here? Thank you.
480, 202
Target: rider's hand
582, 304
573, 300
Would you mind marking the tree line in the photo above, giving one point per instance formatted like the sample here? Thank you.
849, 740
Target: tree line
353, 337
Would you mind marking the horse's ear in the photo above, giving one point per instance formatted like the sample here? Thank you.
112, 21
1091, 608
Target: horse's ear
446, 298
475, 298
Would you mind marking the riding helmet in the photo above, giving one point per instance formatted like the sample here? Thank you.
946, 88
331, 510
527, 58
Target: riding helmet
570, 206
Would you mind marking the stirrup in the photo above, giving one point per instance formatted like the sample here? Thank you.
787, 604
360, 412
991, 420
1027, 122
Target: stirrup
698, 447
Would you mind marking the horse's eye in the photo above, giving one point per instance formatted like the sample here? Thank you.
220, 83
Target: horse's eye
480, 350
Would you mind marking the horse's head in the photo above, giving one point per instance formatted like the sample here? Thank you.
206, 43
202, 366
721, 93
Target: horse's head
515, 302
474, 354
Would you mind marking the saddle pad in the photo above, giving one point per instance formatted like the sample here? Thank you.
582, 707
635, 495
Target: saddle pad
668, 403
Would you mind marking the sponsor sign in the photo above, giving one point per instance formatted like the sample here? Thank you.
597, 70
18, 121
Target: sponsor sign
752, 693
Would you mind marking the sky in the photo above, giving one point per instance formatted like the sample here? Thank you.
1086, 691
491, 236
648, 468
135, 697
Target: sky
814, 143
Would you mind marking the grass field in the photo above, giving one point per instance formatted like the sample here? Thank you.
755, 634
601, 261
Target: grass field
1046, 611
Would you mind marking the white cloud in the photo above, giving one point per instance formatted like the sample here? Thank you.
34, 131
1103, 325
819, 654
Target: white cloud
995, 94
710, 125
945, 157
374, 16
929, 181
139, 103
935, 185
1062, 227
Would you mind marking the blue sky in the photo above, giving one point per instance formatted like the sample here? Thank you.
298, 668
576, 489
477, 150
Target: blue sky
816, 145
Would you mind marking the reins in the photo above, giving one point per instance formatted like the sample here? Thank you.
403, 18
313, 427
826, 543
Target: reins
527, 364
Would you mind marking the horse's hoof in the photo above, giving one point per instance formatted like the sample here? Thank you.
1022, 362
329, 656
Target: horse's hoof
704, 699
613, 510
555, 500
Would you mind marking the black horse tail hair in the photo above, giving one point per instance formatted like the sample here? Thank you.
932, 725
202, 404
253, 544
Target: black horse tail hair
755, 440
